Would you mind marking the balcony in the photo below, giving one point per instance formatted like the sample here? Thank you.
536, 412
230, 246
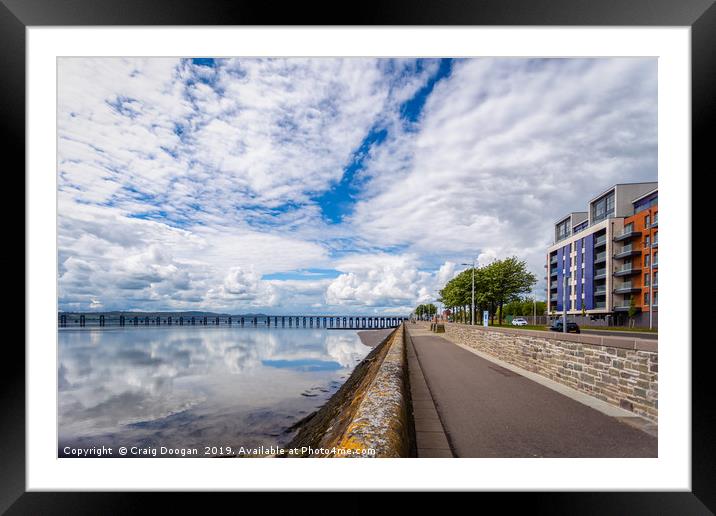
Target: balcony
626, 251
626, 288
600, 305
626, 234
553, 262
600, 257
600, 274
553, 298
624, 307
626, 270
600, 291
600, 241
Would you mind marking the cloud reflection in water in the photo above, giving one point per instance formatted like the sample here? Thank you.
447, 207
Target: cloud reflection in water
196, 386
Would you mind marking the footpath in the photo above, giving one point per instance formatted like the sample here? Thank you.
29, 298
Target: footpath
465, 405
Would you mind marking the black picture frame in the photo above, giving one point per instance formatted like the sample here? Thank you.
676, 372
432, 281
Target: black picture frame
700, 15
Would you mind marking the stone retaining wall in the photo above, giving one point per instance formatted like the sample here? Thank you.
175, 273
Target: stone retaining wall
381, 420
369, 412
620, 371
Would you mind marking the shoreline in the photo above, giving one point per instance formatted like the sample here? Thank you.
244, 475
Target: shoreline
372, 338
332, 415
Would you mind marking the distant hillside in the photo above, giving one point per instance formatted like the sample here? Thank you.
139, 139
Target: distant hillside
129, 313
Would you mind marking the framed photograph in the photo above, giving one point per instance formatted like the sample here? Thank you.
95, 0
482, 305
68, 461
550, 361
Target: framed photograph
425, 236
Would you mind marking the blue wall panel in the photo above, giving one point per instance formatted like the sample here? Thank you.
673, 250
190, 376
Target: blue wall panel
560, 278
578, 245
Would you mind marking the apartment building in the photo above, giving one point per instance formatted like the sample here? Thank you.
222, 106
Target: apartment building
604, 261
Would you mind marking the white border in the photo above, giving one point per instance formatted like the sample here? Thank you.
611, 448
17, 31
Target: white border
671, 471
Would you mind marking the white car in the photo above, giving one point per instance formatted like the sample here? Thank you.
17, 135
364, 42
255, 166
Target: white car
519, 321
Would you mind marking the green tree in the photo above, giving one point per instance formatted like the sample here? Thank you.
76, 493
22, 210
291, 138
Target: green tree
425, 310
498, 284
506, 280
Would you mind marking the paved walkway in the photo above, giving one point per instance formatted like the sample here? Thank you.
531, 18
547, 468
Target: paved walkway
487, 410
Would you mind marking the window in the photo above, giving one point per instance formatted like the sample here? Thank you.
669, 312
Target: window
603, 208
646, 241
562, 230
656, 299
656, 237
656, 258
629, 227
646, 299
647, 221
647, 279
656, 279
656, 217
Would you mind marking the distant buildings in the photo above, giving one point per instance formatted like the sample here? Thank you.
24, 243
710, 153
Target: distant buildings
609, 256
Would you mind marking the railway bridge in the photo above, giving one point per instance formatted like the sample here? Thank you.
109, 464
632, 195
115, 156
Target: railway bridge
336, 322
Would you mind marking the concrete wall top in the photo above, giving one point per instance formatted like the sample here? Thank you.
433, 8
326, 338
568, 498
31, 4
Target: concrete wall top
592, 340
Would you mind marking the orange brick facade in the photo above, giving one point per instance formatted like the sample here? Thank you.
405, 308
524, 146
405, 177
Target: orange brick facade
646, 221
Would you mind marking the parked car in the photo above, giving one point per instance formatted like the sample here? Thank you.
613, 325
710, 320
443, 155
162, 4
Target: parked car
519, 321
572, 327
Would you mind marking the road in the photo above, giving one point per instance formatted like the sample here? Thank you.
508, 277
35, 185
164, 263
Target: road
489, 411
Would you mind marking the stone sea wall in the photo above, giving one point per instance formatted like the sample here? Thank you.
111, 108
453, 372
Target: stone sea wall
620, 371
368, 416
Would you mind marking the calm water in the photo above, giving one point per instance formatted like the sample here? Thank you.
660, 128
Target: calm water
195, 387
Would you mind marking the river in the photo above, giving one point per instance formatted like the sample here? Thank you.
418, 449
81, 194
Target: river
188, 387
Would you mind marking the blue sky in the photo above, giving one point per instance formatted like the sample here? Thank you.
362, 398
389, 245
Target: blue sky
328, 184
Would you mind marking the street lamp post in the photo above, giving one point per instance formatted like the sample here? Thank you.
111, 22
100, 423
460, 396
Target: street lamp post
472, 303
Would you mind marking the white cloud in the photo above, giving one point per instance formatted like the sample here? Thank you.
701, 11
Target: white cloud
505, 147
385, 281
181, 186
